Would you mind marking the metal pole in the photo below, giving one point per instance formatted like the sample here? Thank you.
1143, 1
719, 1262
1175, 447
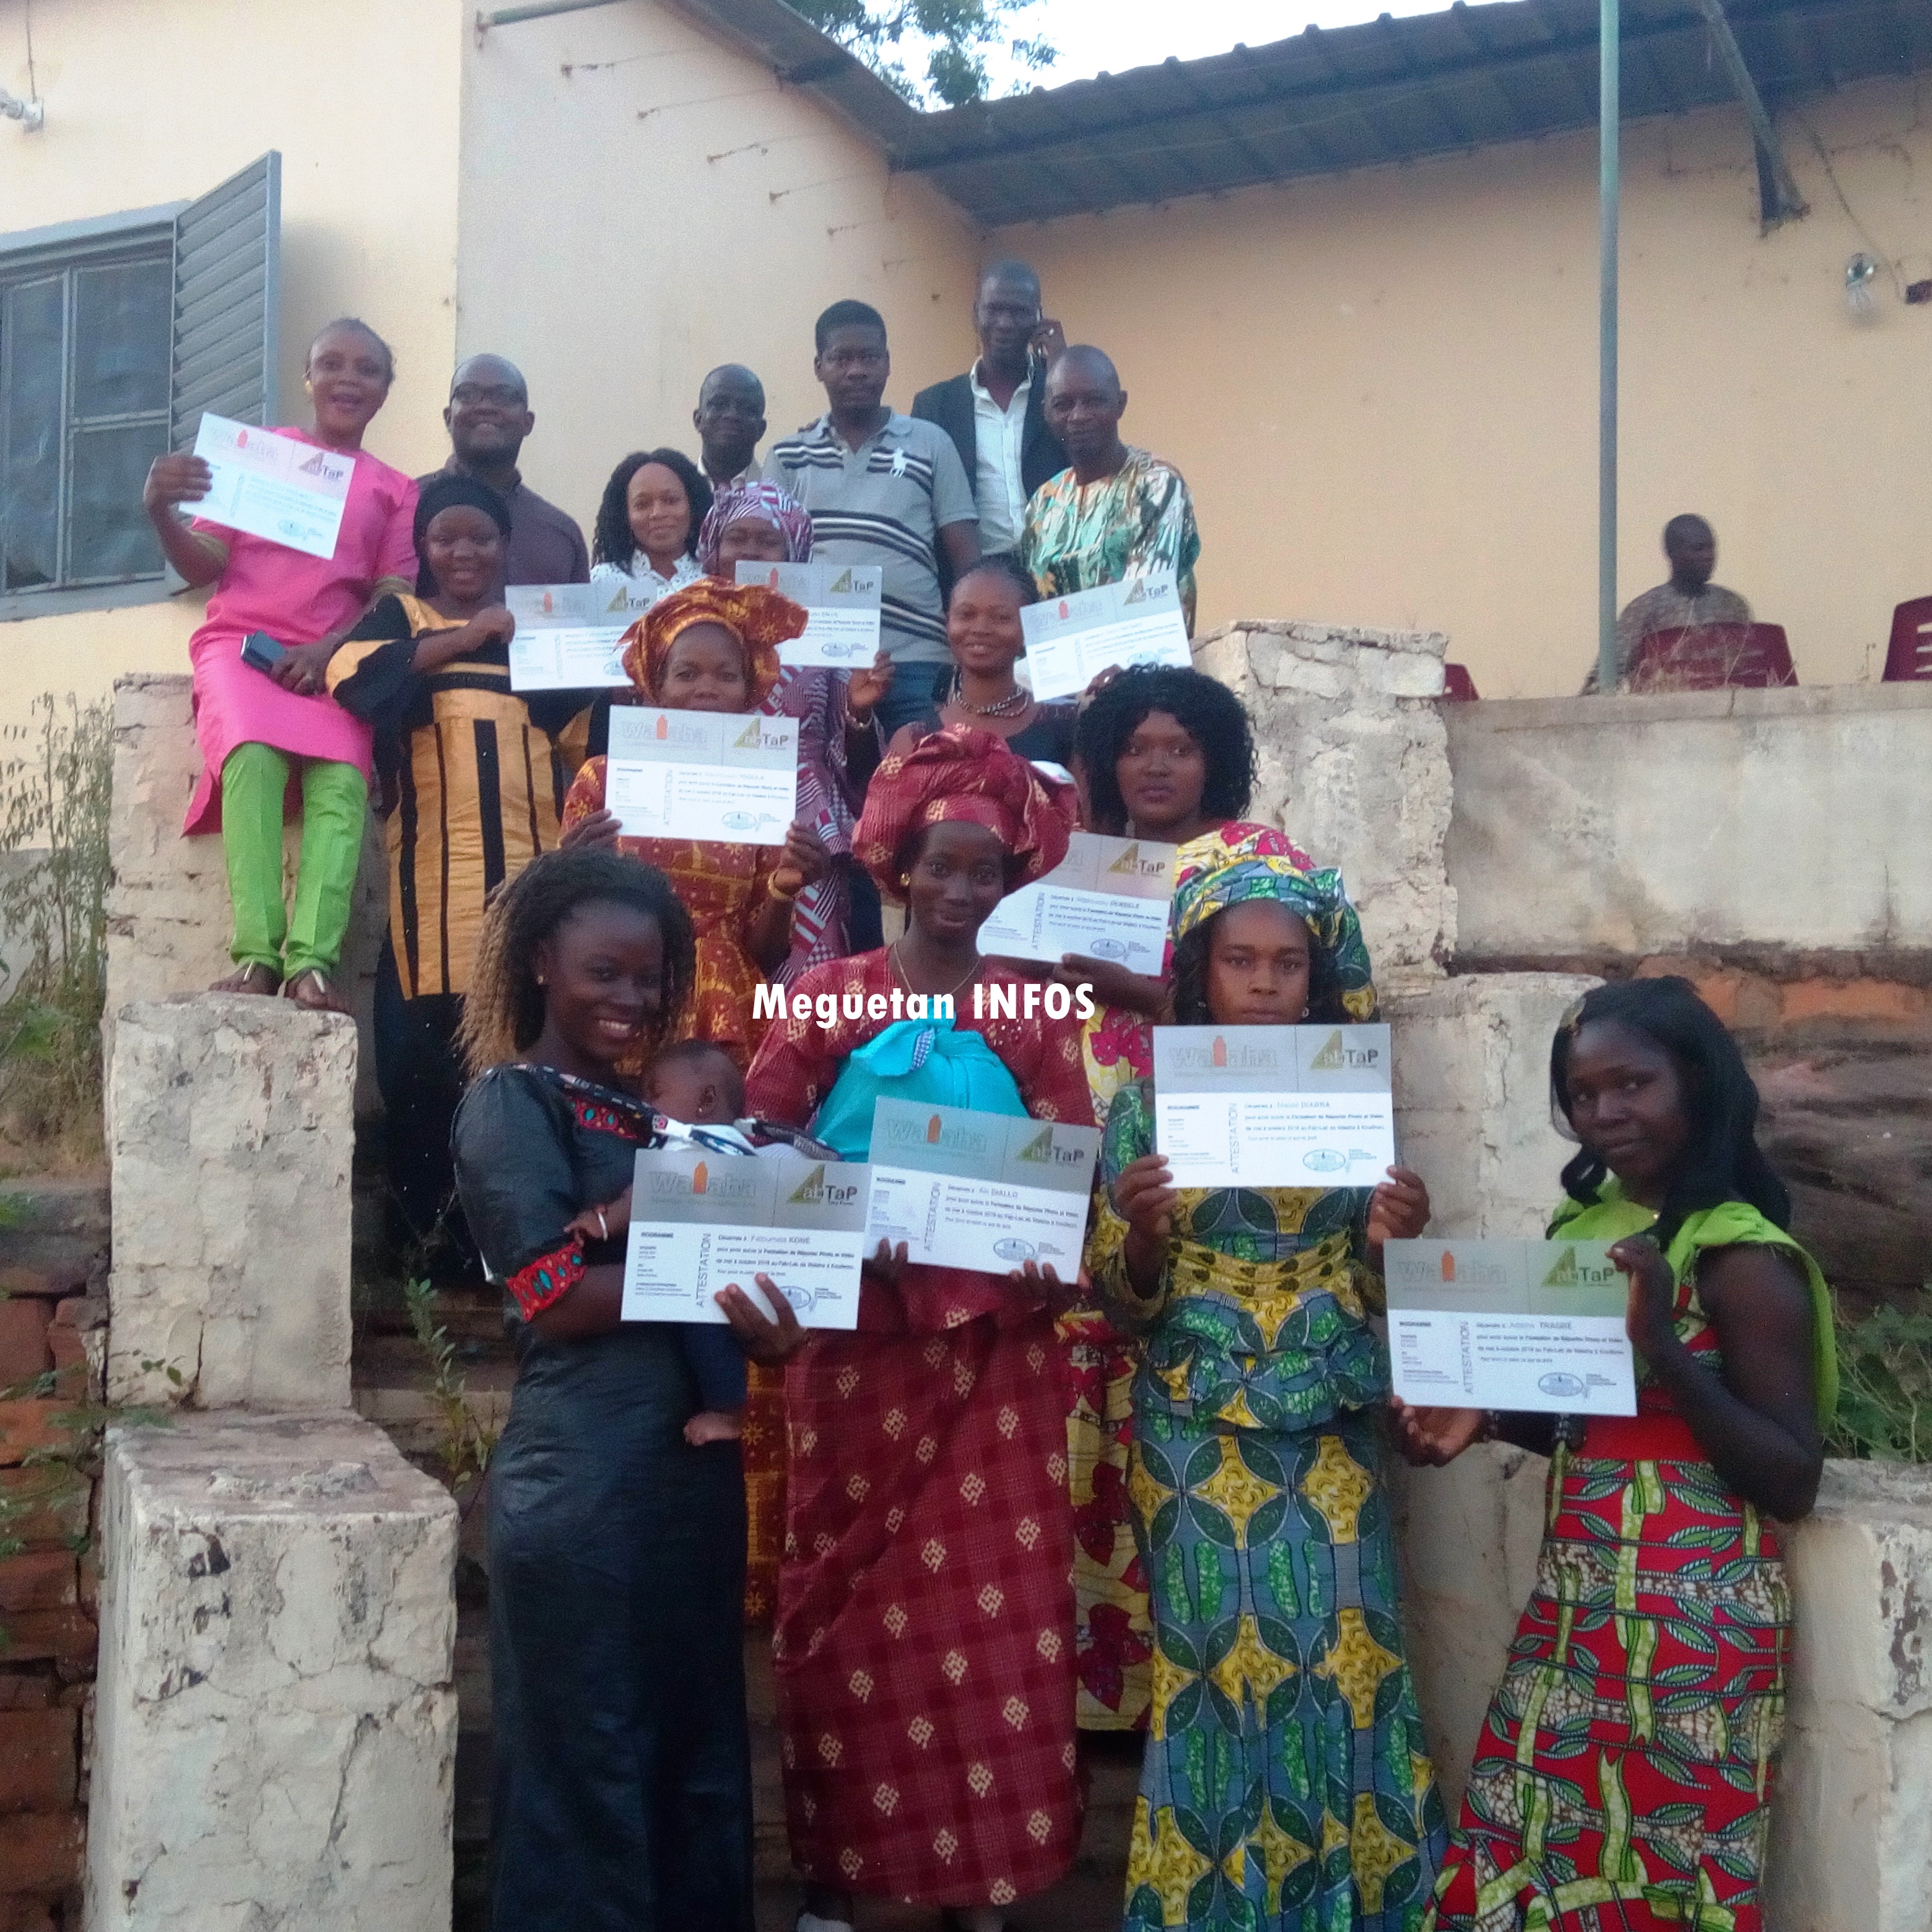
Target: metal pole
1608, 115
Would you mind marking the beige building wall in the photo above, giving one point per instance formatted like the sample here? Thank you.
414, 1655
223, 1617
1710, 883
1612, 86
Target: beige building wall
1383, 386
146, 105
641, 202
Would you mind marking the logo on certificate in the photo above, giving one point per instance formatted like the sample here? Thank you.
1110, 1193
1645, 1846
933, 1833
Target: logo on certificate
815, 1191
1131, 862
1334, 1057
1041, 1150
1567, 1271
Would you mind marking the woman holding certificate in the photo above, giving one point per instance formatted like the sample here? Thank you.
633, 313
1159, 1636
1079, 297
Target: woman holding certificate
1286, 1782
647, 524
713, 646
1624, 1774
924, 1658
267, 728
622, 1789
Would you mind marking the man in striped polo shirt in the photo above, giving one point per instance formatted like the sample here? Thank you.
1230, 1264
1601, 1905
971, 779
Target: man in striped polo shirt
882, 488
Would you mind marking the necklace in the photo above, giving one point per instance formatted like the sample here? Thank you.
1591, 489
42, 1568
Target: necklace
1014, 701
898, 967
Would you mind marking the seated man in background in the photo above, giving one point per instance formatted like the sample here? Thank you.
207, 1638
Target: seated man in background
995, 413
488, 418
1689, 598
1116, 511
730, 419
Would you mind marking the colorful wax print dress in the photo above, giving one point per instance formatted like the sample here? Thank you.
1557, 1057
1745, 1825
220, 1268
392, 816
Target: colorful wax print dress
1621, 1781
1287, 1787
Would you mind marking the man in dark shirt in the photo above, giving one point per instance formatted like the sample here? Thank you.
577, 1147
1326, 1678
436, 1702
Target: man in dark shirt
488, 417
994, 412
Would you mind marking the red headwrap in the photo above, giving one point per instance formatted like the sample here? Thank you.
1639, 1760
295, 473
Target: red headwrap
963, 773
759, 618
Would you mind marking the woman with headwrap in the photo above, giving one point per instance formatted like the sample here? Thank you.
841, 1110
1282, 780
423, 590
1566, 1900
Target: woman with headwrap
1286, 1783
837, 744
924, 1654
473, 789
713, 646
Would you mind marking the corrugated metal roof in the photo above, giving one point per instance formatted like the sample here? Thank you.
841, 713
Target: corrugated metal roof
1328, 101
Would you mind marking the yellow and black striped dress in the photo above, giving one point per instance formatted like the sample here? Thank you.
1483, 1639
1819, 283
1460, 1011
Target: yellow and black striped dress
475, 786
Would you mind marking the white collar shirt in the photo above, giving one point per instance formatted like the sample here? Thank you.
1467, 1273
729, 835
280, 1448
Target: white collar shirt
999, 493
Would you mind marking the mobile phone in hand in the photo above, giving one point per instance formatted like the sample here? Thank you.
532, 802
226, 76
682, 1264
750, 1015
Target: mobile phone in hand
262, 651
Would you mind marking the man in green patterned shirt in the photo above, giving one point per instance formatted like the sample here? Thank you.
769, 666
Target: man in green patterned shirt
1116, 511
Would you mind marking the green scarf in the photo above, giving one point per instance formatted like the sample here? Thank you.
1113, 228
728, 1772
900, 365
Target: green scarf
1728, 1224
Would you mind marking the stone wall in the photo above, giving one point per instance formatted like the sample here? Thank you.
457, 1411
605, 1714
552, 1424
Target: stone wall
1773, 846
1353, 764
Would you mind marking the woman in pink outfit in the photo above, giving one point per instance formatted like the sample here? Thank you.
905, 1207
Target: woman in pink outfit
266, 734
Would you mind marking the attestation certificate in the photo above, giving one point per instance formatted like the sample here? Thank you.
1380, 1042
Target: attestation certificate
273, 486
1070, 640
841, 602
1107, 899
986, 1191
1510, 1325
701, 1222
726, 776
567, 635
1274, 1106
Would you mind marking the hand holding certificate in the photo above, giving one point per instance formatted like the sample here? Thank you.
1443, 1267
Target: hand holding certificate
1522, 1325
1108, 899
841, 602
1071, 640
991, 1192
1274, 1106
274, 486
700, 1222
567, 635
704, 775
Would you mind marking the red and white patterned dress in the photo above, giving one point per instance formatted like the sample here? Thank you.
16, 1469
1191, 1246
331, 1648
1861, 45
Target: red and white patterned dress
925, 1635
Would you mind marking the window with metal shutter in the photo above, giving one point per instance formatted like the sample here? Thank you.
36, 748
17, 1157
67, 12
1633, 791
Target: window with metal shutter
227, 272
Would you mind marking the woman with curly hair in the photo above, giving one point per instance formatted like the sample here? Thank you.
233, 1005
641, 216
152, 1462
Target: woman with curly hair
1286, 1784
1623, 1777
623, 1782
646, 535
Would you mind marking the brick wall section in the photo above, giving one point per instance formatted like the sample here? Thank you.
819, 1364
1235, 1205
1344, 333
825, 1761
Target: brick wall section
52, 1330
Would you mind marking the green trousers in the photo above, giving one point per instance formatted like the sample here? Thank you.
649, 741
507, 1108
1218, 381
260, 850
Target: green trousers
335, 802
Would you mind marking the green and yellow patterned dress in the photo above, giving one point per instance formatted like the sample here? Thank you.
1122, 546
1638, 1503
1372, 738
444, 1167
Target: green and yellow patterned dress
1286, 1786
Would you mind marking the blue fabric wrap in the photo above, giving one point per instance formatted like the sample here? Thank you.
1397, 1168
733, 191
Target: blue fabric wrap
927, 1061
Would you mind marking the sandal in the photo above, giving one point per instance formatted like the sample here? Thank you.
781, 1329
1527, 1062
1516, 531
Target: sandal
254, 977
310, 988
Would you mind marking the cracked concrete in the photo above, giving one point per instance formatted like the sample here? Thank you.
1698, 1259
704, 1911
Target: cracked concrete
277, 1726
231, 1133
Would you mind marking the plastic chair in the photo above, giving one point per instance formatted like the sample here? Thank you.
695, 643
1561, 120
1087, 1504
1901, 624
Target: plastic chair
1910, 656
1457, 685
1711, 657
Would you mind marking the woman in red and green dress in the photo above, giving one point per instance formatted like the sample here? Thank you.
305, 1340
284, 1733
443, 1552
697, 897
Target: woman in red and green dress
1623, 1777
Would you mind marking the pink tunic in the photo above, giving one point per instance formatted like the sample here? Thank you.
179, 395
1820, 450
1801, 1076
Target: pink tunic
297, 599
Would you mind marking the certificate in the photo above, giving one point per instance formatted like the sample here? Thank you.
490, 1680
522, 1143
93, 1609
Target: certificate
702, 775
986, 1191
842, 603
1070, 640
700, 1222
273, 486
567, 635
1509, 1325
1274, 1106
1107, 899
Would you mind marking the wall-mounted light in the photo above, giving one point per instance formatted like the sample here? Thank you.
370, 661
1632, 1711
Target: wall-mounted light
1860, 289
31, 115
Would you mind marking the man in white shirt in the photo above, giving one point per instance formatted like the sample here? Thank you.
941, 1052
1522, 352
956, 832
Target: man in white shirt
993, 412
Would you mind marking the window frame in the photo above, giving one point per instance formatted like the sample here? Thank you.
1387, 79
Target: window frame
96, 241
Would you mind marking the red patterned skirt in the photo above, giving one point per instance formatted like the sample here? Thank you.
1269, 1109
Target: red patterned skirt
1622, 1781
924, 1648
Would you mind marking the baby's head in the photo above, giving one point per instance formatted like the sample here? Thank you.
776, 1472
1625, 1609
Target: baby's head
696, 1082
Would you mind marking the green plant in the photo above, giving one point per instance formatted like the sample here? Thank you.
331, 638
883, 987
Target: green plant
466, 1446
1885, 1387
55, 795
956, 36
